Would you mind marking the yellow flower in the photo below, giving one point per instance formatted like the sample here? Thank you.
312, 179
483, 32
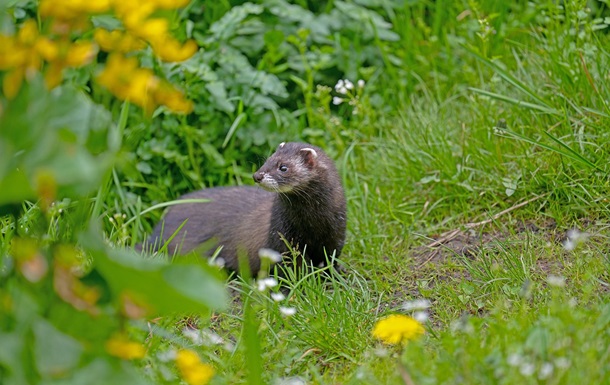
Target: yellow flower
173, 99
397, 328
192, 370
171, 4
120, 346
72, 9
117, 41
170, 49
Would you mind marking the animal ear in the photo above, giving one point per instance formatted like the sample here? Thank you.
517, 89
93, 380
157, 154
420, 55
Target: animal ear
309, 156
281, 145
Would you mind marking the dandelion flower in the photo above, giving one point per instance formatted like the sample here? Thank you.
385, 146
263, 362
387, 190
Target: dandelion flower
192, 370
397, 328
120, 346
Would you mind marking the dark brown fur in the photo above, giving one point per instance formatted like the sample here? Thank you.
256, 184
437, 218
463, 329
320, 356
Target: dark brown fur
306, 205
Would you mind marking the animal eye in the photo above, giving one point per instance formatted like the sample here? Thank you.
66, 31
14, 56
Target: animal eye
283, 168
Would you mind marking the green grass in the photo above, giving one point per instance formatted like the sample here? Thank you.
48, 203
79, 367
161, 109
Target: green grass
463, 118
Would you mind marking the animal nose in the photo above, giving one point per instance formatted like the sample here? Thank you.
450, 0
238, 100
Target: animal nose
258, 176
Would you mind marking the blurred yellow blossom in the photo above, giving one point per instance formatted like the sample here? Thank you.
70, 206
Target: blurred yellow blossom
127, 81
397, 328
72, 9
170, 50
192, 370
28, 51
120, 346
117, 41
23, 54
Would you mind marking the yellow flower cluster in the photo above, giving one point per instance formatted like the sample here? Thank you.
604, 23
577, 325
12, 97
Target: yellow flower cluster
125, 79
120, 346
23, 54
192, 370
27, 52
397, 328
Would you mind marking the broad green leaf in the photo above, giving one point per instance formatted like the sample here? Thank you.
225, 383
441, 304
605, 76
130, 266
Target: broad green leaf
56, 353
155, 284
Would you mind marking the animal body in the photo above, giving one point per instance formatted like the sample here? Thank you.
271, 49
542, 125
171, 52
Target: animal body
300, 199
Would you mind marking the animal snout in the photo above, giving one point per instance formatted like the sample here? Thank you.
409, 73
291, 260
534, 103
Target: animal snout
258, 176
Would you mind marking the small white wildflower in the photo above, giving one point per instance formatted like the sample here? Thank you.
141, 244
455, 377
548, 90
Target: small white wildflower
166, 356
193, 334
290, 381
124, 216
265, 283
277, 297
574, 238
360, 83
514, 359
339, 85
421, 316
270, 254
61, 211
546, 370
417, 304
562, 363
111, 219
288, 311
349, 85
337, 100
342, 90
527, 369
381, 352
218, 261
556, 280
229, 347
212, 338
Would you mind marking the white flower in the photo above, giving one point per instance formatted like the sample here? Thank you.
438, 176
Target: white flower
166, 356
218, 261
349, 85
288, 311
421, 316
360, 83
277, 297
265, 283
514, 359
270, 254
527, 369
212, 338
556, 280
290, 381
574, 238
194, 335
546, 370
337, 100
339, 85
562, 362
418, 304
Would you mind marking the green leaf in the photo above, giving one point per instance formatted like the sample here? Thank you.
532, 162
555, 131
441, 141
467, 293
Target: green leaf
102, 372
55, 352
155, 283
11, 352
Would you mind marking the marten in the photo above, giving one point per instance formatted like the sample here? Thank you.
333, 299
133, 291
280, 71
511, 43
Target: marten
301, 201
